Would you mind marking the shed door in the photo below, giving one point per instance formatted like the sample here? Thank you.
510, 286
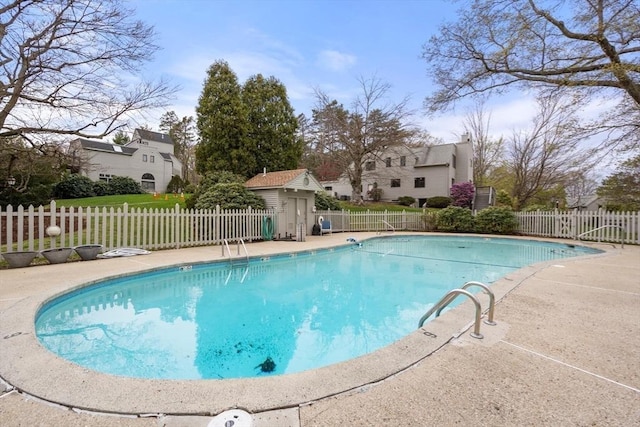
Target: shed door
294, 206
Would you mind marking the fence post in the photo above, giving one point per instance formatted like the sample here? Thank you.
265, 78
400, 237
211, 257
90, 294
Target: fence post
52, 221
176, 225
216, 224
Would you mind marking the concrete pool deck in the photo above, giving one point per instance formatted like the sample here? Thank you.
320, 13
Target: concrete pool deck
565, 351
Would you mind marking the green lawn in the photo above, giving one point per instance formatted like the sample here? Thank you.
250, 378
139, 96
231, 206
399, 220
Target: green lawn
133, 200
169, 201
373, 206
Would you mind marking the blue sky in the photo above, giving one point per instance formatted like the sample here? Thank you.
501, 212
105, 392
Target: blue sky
309, 44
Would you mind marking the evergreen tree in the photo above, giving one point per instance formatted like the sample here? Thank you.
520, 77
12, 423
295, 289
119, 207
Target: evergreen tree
622, 188
121, 138
272, 125
222, 124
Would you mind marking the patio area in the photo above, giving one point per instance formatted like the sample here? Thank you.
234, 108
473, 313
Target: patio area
565, 351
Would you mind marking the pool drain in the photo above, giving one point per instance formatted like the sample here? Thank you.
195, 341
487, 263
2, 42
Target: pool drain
232, 418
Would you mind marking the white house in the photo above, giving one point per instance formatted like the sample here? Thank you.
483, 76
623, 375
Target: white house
292, 194
148, 159
418, 172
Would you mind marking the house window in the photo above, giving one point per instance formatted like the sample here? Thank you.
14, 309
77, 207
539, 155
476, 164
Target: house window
387, 162
152, 159
453, 161
105, 177
395, 183
144, 157
370, 165
148, 182
418, 182
403, 160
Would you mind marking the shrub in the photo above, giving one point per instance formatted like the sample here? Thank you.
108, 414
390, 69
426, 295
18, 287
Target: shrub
229, 196
534, 208
438, 202
406, 200
455, 219
325, 202
503, 199
375, 194
496, 220
190, 188
429, 220
124, 185
462, 194
36, 195
176, 184
101, 188
73, 187
208, 181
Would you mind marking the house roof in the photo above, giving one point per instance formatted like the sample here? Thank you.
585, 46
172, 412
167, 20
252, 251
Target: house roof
436, 155
149, 135
582, 201
89, 144
166, 156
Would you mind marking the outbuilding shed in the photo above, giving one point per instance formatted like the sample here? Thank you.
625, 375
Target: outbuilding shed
291, 194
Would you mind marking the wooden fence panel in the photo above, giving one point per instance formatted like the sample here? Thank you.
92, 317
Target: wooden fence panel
25, 229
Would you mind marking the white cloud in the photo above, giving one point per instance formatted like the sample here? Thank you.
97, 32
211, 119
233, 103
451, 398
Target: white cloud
335, 61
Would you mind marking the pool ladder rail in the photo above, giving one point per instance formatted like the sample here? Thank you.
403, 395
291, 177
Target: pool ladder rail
389, 226
453, 294
239, 242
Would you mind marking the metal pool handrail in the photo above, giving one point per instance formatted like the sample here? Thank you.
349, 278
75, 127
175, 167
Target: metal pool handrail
393, 230
492, 300
602, 227
225, 244
446, 300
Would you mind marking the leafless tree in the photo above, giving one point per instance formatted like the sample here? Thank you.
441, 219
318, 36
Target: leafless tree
372, 126
546, 155
487, 152
69, 67
589, 46
579, 185
183, 133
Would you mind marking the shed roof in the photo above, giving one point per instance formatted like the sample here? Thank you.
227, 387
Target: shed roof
280, 179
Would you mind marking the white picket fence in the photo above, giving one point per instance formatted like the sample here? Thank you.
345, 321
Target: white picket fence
380, 221
600, 226
25, 229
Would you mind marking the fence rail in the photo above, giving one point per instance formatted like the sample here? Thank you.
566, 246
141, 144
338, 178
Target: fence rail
600, 226
25, 229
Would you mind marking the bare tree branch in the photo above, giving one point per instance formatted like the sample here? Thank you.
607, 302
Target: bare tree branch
68, 67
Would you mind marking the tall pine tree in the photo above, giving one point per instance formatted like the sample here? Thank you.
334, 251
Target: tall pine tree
244, 129
222, 124
272, 125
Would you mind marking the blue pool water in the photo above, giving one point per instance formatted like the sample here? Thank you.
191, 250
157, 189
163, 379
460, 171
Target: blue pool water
275, 315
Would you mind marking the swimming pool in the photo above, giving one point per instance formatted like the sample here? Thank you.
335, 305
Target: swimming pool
275, 315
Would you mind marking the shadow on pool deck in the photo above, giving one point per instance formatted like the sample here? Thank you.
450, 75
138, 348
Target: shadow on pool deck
566, 351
